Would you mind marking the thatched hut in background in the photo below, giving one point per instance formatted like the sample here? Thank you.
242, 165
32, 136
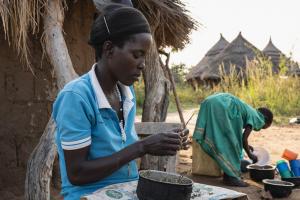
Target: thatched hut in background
294, 70
278, 58
273, 53
224, 56
234, 55
197, 75
44, 45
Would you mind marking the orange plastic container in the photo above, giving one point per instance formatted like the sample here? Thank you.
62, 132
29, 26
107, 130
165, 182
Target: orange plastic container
289, 155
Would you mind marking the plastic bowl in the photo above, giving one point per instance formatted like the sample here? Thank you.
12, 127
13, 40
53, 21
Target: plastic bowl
277, 188
158, 185
260, 172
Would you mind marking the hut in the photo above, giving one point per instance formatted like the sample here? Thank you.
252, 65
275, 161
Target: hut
44, 45
196, 74
294, 70
236, 54
274, 54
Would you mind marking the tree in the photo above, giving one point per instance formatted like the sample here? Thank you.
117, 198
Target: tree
179, 73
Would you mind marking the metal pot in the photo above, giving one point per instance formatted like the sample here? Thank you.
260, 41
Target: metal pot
260, 172
277, 188
158, 185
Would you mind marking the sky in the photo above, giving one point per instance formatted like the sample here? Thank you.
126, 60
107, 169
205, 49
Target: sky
258, 20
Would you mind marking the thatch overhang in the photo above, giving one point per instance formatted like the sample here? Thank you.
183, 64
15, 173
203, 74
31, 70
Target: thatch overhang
169, 19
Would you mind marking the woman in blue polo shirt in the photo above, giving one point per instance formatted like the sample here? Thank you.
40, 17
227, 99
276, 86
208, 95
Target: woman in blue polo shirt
94, 114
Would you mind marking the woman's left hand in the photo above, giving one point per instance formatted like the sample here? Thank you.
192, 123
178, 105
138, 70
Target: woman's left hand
184, 138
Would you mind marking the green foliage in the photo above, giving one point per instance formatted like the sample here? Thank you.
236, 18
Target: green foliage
139, 89
179, 73
283, 62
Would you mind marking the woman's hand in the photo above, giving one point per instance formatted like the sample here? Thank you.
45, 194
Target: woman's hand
184, 136
167, 143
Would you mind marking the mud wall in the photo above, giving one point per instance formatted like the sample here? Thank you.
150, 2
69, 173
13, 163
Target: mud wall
26, 98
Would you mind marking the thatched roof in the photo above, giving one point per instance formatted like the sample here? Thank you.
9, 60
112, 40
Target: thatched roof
271, 48
294, 70
19, 19
218, 47
235, 54
203, 65
272, 52
169, 19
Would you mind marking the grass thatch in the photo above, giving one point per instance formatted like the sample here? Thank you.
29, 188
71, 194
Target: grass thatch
170, 21
19, 19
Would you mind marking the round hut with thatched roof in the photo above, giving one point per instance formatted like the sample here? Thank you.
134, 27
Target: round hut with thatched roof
276, 57
274, 54
234, 57
196, 75
44, 46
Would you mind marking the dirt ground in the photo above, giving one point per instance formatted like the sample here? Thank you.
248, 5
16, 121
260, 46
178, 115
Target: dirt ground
274, 140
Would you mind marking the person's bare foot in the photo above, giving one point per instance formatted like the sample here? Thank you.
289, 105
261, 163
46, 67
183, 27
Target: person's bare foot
233, 181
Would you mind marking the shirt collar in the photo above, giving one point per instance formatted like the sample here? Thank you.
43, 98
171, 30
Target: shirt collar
100, 96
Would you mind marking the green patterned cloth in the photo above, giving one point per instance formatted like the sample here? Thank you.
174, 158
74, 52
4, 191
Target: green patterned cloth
219, 129
127, 191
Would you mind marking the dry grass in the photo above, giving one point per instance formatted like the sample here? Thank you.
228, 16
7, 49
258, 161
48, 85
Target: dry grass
21, 18
169, 19
262, 88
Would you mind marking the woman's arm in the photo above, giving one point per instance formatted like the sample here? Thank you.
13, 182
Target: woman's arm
81, 171
247, 132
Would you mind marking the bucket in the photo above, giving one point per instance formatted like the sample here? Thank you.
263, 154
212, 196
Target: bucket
295, 167
289, 155
284, 169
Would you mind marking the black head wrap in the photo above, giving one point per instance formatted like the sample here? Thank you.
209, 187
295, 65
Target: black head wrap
117, 21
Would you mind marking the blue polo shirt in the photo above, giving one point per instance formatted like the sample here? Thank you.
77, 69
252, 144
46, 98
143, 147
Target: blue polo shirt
84, 118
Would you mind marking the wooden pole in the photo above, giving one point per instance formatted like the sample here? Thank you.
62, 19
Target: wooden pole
156, 88
40, 162
178, 105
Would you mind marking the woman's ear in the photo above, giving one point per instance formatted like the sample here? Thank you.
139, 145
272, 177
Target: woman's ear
107, 49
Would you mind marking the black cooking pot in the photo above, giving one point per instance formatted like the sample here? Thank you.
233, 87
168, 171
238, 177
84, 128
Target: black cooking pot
260, 172
277, 188
158, 185
295, 180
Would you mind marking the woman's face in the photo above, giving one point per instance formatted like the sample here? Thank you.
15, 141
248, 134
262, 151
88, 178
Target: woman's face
126, 63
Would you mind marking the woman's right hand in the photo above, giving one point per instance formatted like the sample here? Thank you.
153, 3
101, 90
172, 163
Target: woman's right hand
162, 144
